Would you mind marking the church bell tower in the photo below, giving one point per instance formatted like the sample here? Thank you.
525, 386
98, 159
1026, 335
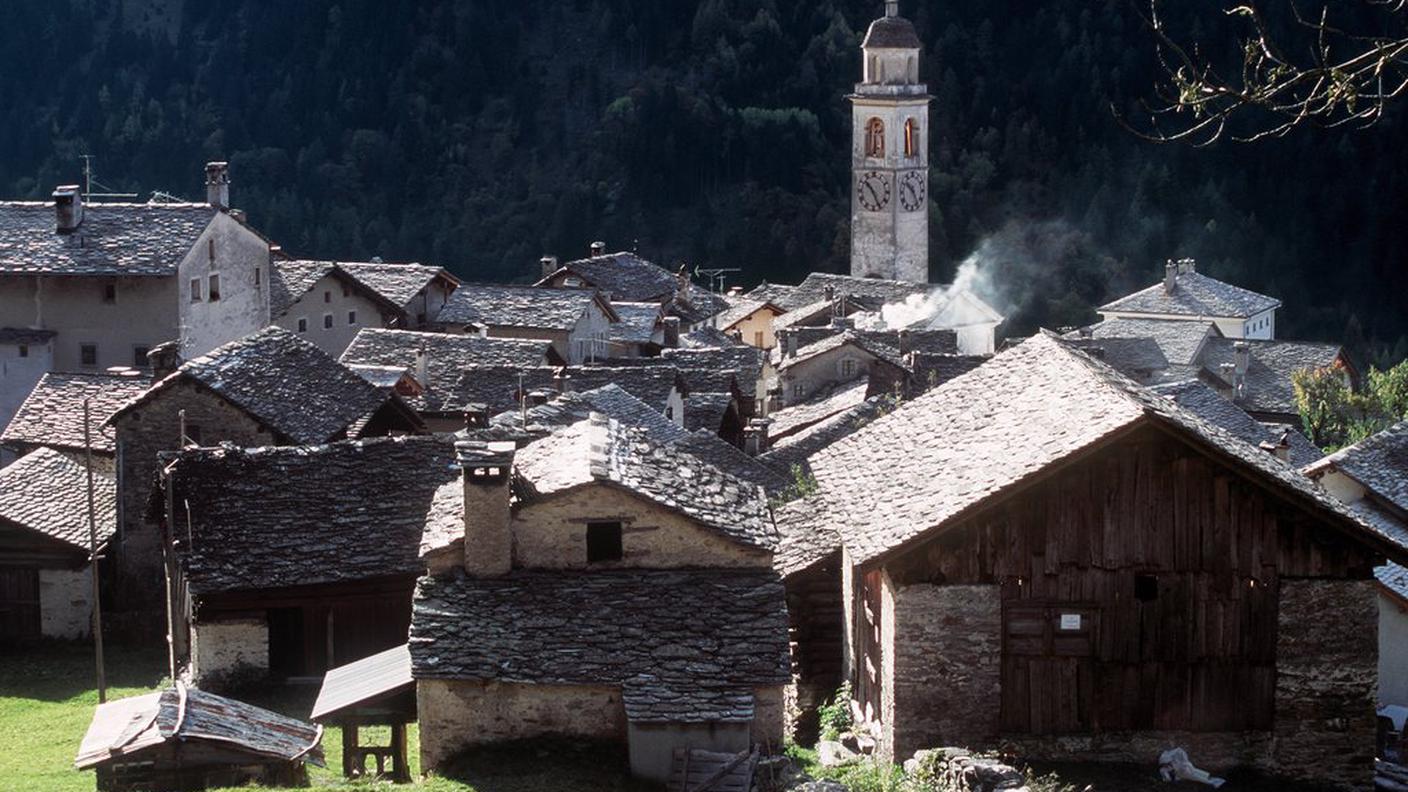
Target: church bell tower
890, 156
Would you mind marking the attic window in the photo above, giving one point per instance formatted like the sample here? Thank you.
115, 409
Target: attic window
603, 542
88, 354
109, 292
24, 350
195, 289
257, 271
351, 317
327, 321
327, 296
303, 325
848, 367
1146, 587
214, 290
139, 356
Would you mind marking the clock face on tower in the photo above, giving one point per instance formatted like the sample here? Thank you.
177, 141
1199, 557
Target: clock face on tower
873, 191
912, 188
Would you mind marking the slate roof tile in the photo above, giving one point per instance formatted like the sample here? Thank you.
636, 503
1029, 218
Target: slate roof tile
1195, 295
1179, 340
638, 324
651, 384
602, 449
52, 414
630, 278
704, 410
806, 538
1379, 462
293, 279
288, 384
1198, 398
742, 310
1268, 383
294, 516
935, 457
816, 408
568, 409
25, 335
687, 645
1394, 577
113, 239
709, 447
518, 306
47, 493
397, 283
889, 32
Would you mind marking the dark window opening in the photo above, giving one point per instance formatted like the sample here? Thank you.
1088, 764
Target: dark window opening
302, 325
109, 292
214, 291
327, 296
1146, 587
257, 271
351, 317
193, 434
327, 321
603, 542
24, 350
88, 354
195, 289
139, 356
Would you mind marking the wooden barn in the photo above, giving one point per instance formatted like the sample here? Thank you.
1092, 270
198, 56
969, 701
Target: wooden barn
1044, 555
184, 739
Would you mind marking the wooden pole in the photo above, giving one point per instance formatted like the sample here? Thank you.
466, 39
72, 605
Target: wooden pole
93, 557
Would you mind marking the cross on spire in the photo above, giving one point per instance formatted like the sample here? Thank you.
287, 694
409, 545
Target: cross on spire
892, 8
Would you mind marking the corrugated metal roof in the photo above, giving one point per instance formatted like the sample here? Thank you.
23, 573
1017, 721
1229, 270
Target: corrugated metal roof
363, 680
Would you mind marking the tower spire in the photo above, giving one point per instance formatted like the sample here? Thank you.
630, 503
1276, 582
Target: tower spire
892, 8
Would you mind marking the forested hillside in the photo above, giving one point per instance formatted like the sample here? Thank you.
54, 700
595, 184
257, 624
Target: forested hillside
480, 135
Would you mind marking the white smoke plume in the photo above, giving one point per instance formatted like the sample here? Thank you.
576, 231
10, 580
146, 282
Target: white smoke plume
919, 310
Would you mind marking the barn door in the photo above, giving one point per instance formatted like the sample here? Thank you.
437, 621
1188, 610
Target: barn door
19, 603
1048, 668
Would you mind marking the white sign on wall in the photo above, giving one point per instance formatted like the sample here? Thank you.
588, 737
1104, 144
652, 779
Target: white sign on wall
1070, 621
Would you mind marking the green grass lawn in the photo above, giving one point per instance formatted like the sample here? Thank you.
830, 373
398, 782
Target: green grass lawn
48, 693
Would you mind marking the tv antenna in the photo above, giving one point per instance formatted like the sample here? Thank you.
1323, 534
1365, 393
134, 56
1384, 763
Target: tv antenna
89, 181
716, 276
162, 197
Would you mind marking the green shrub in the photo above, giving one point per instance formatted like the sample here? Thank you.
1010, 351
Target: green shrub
835, 715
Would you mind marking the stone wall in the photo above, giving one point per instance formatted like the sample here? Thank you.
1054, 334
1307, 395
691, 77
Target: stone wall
456, 714
1326, 682
143, 314
241, 259
652, 745
823, 371
943, 667
65, 603
19, 375
221, 650
552, 534
331, 296
1393, 650
141, 435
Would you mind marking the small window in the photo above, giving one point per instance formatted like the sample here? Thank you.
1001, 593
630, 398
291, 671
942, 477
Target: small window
109, 292
214, 288
257, 274
88, 354
351, 317
327, 296
302, 325
848, 367
24, 350
210, 249
603, 542
1146, 587
139, 356
345, 291
875, 138
327, 321
911, 138
195, 289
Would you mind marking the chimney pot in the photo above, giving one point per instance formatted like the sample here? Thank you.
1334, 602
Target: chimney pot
164, 359
486, 470
217, 184
672, 331
422, 366
1187, 265
1242, 360
548, 265
598, 248
68, 208
1170, 276
755, 436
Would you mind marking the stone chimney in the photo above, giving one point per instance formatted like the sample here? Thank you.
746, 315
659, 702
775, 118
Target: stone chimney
1242, 360
682, 283
164, 359
217, 184
598, 248
68, 208
672, 331
906, 341
755, 436
1280, 447
1187, 265
488, 539
422, 370
791, 344
548, 264
1170, 276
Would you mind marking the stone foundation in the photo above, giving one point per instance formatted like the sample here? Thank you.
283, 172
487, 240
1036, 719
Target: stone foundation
223, 650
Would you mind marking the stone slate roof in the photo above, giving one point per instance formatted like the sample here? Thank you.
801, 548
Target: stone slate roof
687, 645
709, 447
651, 384
930, 370
1195, 295
1380, 463
706, 337
449, 355
638, 322
778, 294
745, 362
891, 33
630, 278
703, 410
121, 729
497, 389
873, 343
1179, 340
816, 408
1198, 398
52, 414
292, 280
47, 493
113, 239
602, 450
1393, 577
519, 306
295, 516
945, 453
572, 408
25, 335
289, 385
1131, 356
806, 538
799, 447
1268, 385
874, 291
396, 283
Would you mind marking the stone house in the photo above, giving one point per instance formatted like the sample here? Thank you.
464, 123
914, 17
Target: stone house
641, 331
1186, 295
1044, 555
809, 560
1256, 375
626, 277
438, 362
1371, 478
751, 321
52, 416
598, 584
271, 388
1283, 442
24, 357
293, 560
576, 321
45, 579
794, 374
420, 290
326, 305
103, 282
